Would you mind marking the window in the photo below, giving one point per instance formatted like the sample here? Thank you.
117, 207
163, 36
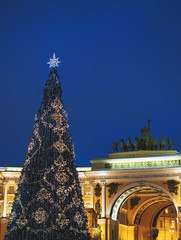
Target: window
172, 210
166, 210
161, 224
173, 224
1, 189
11, 190
0, 209
87, 190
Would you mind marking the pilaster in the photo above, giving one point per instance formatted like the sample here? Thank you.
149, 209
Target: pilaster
5, 199
92, 194
103, 199
82, 185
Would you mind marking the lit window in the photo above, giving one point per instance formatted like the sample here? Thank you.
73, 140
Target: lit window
173, 224
166, 210
87, 190
11, 190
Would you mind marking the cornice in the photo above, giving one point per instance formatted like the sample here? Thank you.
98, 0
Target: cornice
133, 173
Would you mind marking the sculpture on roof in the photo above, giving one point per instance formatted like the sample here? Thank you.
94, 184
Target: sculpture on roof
123, 146
163, 143
155, 143
145, 142
170, 143
130, 145
115, 147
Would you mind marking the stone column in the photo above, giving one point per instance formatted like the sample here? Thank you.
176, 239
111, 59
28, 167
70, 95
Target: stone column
92, 195
103, 199
5, 199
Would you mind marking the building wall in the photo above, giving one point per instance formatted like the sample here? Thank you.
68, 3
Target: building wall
102, 189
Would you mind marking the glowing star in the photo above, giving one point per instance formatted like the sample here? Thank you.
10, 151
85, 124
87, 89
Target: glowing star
53, 61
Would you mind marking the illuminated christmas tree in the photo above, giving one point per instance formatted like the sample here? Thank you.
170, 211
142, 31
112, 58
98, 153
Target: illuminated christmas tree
48, 203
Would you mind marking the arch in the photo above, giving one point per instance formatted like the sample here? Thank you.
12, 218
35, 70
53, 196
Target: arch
87, 204
150, 201
118, 200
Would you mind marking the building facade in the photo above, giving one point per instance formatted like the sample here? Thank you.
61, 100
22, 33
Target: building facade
128, 196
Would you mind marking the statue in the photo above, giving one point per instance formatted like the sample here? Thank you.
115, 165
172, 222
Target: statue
149, 129
123, 145
130, 145
98, 208
142, 143
149, 121
170, 143
155, 233
145, 142
115, 147
94, 219
149, 143
142, 131
163, 143
155, 143
136, 144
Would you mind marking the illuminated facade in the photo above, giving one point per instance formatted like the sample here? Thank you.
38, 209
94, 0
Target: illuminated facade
127, 196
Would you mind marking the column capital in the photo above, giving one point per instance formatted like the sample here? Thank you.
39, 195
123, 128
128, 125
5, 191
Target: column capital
103, 183
92, 183
6, 183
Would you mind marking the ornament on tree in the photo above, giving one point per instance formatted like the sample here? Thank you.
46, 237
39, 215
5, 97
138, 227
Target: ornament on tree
48, 203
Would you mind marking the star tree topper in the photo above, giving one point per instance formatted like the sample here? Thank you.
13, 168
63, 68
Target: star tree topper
53, 61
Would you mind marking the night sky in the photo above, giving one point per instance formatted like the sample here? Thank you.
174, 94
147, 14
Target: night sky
121, 65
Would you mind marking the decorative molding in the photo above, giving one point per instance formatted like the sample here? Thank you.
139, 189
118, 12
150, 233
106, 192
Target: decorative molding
98, 190
134, 201
113, 188
172, 186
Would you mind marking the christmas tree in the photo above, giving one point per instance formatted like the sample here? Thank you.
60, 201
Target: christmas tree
48, 203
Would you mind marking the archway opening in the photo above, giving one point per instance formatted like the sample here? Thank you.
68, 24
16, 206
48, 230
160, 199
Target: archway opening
139, 213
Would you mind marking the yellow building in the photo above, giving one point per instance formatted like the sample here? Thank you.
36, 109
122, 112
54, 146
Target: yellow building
127, 196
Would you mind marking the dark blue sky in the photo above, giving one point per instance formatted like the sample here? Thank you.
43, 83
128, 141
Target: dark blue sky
121, 64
